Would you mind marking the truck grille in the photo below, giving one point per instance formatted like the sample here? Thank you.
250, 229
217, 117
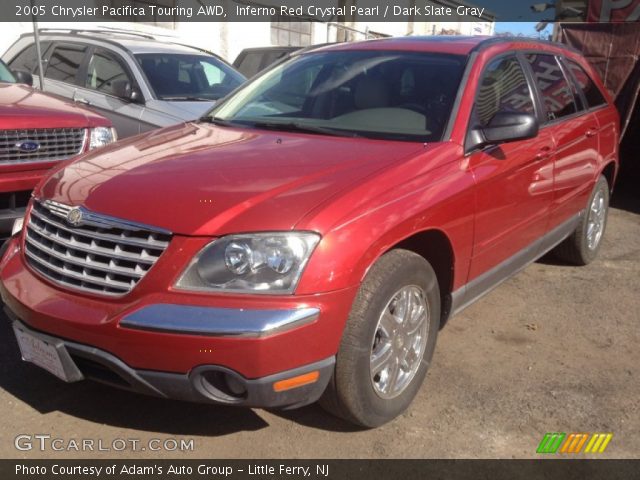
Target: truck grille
96, 253
40, 145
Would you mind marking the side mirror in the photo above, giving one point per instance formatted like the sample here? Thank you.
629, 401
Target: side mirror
123, 89
504, 127
22, 76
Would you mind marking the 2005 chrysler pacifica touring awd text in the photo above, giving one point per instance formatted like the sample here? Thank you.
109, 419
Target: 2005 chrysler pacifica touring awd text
306, 239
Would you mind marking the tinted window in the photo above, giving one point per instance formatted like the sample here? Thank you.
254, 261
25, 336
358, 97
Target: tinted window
591, 92
5, 74
556, 92
250, 64
64, 63
103, 71
391, 95
27, 59
504, 88
188, 77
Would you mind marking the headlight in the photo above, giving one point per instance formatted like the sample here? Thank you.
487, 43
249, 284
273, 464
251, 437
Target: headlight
101, 136
250, 263
18, 223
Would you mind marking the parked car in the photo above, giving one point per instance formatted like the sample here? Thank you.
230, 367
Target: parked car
38, 131
308, 238
251, 61
137, 81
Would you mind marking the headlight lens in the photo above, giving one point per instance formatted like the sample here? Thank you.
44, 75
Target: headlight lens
101, 136
18, 223
251, 263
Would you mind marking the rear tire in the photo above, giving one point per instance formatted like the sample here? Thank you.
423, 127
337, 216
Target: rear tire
388, 342
582, 246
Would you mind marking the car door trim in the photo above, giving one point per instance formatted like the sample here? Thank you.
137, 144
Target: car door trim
484, 283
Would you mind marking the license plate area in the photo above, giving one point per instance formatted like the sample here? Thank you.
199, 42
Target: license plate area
47, 353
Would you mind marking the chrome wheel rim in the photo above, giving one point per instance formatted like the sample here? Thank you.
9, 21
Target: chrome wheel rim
399, 341
596, 220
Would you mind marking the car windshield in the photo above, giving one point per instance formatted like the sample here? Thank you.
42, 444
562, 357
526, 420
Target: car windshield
5, 74
183, 77
388, 95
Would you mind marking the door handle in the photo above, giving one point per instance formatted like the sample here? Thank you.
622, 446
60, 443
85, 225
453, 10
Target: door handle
543, 153
592, 132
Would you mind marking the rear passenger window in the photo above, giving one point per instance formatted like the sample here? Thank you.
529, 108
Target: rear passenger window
103, 71
554, 88
64, 63
504, 88
591, 92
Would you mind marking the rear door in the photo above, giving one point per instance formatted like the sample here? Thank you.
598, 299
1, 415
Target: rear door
575, 130
62, 68
514, 180
97, 90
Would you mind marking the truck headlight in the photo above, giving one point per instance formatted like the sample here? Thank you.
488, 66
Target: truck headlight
18, 223
101, 136
250, 263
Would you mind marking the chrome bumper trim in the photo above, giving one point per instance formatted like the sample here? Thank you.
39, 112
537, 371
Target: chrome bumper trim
217, 322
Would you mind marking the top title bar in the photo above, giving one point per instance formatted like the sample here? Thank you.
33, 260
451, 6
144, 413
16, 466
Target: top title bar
321, 10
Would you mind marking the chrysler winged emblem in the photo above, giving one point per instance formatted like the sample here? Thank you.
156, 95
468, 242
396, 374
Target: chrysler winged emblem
74, 217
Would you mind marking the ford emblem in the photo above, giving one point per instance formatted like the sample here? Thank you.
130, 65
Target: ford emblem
74, 217
28, 146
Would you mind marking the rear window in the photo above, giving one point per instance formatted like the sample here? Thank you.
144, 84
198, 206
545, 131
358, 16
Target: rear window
592, 93
27, 59
555, 90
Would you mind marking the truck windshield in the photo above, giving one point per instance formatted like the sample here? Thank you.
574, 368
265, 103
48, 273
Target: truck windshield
5, 74
377, 94
183, 77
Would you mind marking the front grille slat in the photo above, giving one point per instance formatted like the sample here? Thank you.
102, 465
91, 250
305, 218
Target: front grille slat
54, 144
102, 254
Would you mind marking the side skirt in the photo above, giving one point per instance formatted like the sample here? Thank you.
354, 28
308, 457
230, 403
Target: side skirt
483, 284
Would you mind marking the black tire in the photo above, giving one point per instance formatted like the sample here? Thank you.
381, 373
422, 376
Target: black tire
576, 249
351, 394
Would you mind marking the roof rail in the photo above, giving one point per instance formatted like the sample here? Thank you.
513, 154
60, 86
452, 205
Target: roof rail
81, 31
496, 40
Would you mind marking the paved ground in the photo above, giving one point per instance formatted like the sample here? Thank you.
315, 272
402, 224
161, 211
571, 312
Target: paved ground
553, 349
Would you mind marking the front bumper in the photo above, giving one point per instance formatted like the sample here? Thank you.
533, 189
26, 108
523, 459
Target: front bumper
180, 345
204, 384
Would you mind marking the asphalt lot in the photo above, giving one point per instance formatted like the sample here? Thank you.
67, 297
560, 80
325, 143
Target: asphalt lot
554, 349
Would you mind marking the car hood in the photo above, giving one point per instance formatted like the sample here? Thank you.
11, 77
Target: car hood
24, 107
198, 179
182, 111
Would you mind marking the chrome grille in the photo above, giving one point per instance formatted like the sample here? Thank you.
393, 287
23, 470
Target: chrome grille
48, 144
98, 254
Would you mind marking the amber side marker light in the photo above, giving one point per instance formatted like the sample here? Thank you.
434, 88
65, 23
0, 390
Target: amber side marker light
295, 382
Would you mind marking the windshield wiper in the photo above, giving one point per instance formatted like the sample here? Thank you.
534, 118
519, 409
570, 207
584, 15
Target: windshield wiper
221, 122
188, 98
301, 127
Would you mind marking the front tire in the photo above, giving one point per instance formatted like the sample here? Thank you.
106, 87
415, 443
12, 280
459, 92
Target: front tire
582, 246
388, 341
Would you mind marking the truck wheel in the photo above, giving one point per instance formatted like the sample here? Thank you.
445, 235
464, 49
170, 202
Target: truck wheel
582, 246
388, 341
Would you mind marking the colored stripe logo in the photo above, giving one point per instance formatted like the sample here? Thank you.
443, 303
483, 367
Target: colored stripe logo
559, 442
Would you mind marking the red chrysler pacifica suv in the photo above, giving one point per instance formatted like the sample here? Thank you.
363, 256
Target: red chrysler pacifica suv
307, 238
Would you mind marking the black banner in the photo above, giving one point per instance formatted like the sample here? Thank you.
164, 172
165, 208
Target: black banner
320, 10
320, 469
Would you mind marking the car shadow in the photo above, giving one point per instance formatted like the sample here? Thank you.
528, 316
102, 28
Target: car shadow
107, 405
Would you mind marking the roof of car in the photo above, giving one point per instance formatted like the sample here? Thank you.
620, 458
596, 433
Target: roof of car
133, 41
453, 44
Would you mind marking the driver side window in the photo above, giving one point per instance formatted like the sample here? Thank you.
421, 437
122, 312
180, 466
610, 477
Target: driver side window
503, 88
103, 71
